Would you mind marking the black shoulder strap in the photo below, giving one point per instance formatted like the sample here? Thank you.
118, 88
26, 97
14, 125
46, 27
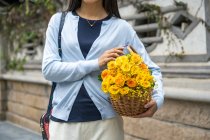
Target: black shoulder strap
59, 33
60, 54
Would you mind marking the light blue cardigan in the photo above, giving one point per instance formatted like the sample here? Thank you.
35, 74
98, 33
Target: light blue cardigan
74, 69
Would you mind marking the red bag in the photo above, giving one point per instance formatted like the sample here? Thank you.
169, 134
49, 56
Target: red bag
44, 124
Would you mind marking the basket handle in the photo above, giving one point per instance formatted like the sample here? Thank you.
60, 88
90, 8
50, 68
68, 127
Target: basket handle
131, 49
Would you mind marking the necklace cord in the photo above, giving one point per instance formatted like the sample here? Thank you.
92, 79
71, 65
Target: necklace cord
92, 23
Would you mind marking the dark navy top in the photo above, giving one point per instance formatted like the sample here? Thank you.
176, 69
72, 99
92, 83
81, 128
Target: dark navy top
84, 109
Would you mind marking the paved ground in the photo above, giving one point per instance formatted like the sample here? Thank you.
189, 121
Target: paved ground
9, 131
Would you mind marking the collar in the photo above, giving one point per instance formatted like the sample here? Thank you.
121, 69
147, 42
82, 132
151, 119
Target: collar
107, 20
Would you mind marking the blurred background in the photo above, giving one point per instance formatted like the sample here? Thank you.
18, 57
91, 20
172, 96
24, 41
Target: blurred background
176, 34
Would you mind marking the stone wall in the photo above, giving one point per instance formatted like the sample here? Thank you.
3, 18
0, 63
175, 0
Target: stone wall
26, 102
23, 100
177, 120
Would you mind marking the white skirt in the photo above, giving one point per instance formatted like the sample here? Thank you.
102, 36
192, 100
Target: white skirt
110, 129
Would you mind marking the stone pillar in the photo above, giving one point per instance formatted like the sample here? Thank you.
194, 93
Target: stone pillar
207, 15
3, 55
3, 100
3, 94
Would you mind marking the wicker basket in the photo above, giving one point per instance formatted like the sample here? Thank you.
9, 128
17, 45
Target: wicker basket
130, 106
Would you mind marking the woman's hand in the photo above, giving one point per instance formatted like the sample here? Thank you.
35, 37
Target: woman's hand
152, 108
110, 55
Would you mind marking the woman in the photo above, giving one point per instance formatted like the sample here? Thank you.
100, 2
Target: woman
93, 35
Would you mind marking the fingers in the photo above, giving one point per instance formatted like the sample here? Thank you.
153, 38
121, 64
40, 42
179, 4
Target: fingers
118, 50
114, 55
110, 55
149, 113
152, 108
106, 60
151, 103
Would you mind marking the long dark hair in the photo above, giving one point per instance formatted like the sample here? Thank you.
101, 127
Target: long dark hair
110, 6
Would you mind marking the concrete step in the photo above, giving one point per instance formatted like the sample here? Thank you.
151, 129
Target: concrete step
189, 83
187, 94
187, 73
187, 89
189, 70
204, 65
8, 131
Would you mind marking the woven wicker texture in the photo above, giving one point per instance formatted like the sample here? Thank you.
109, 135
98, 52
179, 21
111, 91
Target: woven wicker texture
130, 106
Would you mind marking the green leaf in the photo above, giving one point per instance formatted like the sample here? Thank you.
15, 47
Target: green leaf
100, 78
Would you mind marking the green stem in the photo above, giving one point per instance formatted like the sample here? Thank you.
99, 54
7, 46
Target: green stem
27, 7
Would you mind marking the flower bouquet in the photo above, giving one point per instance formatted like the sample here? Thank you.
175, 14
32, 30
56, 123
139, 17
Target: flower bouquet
129, 83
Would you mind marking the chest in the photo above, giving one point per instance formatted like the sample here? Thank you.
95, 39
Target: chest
95, 41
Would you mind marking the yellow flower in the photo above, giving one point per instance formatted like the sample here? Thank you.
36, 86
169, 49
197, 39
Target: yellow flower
124, 59
131, 82
144, 73
124, 90
149, 78
104, 74
113, 72
135, 70
143, 66
105, 86
139, 78
135, 58
120, 60
145, 84
114, 89
111, 65
119, 80
109, 79
126, 67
